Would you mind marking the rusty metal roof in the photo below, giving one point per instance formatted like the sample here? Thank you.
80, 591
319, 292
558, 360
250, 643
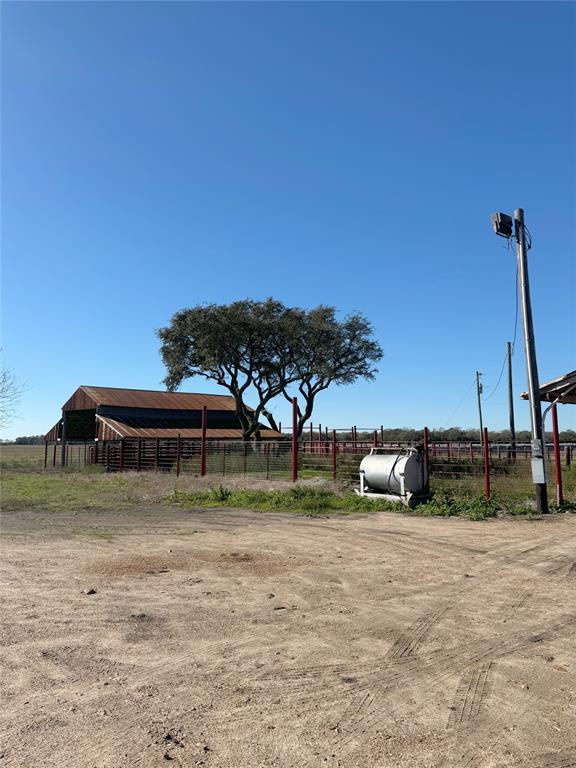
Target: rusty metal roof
124, 430
147, 398
562, 389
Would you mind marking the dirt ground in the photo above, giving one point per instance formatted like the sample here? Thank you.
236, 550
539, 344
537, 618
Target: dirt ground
235, 639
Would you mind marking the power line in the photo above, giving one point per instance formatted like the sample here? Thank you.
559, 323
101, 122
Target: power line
513, 342
459, 404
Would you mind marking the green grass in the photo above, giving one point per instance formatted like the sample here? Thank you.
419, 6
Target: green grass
70, 491
298, 499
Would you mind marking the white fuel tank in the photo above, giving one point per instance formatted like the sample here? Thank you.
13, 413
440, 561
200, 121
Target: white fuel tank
384, 472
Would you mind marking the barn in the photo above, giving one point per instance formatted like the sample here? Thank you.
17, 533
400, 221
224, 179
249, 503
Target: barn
111, 413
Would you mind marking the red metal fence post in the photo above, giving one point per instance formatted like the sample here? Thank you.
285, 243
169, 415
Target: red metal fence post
203, 441
427, 459
295, 439
486, 464
557, 465
334, 456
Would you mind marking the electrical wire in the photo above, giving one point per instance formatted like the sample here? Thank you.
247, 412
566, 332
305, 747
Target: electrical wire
455, 411
513, 343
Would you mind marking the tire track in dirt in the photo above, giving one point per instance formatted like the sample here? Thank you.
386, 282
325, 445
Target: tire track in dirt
406, 645
446, 665
519, 600
555, 761
472, 690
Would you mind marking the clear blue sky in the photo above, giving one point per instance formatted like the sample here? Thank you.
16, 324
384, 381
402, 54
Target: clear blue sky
160, 155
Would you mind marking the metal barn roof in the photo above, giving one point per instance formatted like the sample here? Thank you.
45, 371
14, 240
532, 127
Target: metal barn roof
126, 430
90, 397
563, 389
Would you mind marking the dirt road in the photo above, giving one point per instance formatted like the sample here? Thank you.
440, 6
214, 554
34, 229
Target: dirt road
239, 640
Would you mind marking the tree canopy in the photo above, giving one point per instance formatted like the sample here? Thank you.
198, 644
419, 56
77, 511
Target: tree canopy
264, 349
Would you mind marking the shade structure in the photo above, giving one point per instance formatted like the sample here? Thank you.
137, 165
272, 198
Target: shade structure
562, 389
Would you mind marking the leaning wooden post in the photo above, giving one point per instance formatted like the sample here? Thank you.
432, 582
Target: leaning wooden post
45, 452
334, 456
294, 439
557, 465
203, 441
486, 464
178, 454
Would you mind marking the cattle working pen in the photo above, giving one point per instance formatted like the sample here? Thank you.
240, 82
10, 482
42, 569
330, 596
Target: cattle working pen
494, 469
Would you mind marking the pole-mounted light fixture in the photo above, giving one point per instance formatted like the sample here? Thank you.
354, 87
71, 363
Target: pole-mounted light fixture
502, 224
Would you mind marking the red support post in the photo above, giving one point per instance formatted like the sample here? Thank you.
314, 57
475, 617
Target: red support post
295, 439
203, 441
557, 465
486, 464
427, 459
311, 437
334, 456
319, 438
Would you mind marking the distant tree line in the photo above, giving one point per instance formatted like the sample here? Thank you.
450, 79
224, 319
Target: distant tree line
454, 434
30, 440
400, 435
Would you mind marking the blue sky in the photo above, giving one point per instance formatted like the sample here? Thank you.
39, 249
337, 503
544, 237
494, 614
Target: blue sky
161, 155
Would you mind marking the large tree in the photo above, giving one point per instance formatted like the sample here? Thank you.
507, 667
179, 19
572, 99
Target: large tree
265, 349
10, 392
239, 346
326, 351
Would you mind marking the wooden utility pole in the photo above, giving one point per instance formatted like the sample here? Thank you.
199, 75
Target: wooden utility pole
478, 393
538, 439
511, 403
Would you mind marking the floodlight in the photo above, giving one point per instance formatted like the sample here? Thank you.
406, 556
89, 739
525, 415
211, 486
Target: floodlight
502, 224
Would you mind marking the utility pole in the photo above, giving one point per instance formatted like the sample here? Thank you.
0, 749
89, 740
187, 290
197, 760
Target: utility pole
478, 393
538, 438
511, 403
505, 226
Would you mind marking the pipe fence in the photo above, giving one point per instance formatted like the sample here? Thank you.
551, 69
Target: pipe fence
493, 469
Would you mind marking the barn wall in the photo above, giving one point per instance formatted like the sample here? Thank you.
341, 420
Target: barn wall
80, 401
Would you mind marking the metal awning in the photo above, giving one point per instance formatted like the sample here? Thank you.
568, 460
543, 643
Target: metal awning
563, 389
